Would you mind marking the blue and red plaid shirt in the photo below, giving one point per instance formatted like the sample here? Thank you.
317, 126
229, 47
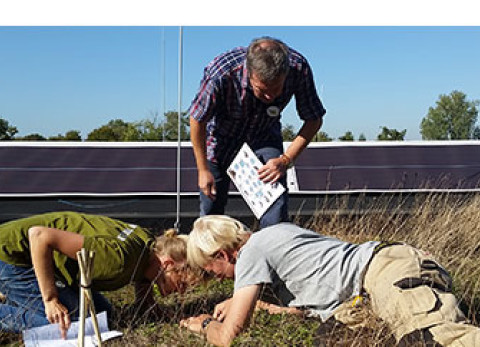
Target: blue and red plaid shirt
226, 101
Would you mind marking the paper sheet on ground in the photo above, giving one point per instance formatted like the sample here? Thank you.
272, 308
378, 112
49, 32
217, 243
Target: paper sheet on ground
243, 173
49, 335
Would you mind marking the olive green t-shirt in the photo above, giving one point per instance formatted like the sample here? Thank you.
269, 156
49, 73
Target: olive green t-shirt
122, 250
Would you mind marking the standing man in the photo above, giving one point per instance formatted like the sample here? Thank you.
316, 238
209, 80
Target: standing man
240, 100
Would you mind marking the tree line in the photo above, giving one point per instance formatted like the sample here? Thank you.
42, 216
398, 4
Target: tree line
452, 118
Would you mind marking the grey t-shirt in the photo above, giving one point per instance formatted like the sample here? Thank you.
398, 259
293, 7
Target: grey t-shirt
304, 268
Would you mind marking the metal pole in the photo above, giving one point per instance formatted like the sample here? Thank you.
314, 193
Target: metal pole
179, 115
163, 84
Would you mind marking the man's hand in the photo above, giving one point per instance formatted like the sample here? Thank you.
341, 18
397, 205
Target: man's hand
206, 183
221, 310
58, 314
275, 309
272, 171
194, 323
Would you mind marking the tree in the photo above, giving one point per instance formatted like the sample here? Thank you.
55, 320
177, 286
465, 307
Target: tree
453, 118
388, 134
115, 130
7, 131
476, 133
150, 129
170, 127
348, 136
362, 137
322, 136
144, 130
71, 135
31, 137
288, 132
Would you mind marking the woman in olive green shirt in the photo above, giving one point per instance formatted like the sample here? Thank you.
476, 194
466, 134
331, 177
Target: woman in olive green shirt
39, 272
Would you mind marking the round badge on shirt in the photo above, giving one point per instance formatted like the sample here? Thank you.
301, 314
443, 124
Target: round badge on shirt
273, 111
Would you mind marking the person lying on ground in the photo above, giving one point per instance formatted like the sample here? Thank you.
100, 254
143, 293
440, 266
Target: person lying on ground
323, 276
39, 273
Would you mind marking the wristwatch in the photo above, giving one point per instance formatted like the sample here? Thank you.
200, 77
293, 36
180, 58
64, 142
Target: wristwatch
205, 324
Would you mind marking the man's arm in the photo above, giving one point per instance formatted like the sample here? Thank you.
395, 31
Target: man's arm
303, 138
275, 168
240, 310
206, 182
43, 241
221, 309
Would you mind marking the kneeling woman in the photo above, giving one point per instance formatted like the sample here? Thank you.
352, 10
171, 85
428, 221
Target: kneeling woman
39, 272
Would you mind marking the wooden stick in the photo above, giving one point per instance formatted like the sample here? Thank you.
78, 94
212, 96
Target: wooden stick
93, 314
85, 263
81, 330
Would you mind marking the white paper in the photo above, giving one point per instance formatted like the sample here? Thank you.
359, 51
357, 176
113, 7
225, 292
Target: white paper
292, 181
49, 335
243, 172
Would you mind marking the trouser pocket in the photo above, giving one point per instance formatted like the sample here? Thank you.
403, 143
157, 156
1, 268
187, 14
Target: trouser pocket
431, 275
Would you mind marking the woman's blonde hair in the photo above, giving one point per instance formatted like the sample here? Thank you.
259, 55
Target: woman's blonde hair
175, 246
213, 233
171, 244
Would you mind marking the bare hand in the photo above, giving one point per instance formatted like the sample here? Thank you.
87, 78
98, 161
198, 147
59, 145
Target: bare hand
275, 309
272, 171
194, 323
206, 183
221, 310
58, 314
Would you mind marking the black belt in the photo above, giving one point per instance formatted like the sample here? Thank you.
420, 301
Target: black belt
385, 244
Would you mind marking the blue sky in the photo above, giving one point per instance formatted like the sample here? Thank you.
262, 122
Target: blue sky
58, 78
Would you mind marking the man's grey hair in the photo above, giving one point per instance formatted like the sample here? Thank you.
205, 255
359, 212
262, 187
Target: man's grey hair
267, 58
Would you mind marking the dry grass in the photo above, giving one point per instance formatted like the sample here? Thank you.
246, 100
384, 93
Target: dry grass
444, 224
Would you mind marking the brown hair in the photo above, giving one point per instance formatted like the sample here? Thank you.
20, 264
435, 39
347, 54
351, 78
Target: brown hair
267, 58
175, 246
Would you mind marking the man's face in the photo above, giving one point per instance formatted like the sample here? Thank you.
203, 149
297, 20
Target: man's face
267, 92
220, 266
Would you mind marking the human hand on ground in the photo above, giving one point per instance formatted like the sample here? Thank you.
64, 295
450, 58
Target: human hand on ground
276, 309
194, 323
57, 313
221, 310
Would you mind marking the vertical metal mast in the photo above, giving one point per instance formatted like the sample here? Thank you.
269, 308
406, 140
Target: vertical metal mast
164, 62
179, 115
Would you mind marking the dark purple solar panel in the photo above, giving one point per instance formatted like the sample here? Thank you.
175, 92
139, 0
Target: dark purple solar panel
151, 169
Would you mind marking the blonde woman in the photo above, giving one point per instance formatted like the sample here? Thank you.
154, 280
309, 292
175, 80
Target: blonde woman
39, 272
323, 276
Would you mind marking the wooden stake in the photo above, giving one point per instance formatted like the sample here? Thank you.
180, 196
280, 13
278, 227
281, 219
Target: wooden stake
85, 264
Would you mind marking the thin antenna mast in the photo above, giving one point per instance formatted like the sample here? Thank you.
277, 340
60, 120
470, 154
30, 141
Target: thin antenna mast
179, 115
163, 84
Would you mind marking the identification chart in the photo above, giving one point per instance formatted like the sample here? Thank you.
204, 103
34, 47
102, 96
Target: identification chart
243, 173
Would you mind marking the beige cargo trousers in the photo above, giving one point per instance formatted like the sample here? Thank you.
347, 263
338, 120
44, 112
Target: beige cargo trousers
410, 291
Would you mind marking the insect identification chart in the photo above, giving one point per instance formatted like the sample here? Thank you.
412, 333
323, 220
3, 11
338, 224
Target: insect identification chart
243, 173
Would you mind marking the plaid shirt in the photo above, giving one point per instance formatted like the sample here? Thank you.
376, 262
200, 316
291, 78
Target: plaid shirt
226, 101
